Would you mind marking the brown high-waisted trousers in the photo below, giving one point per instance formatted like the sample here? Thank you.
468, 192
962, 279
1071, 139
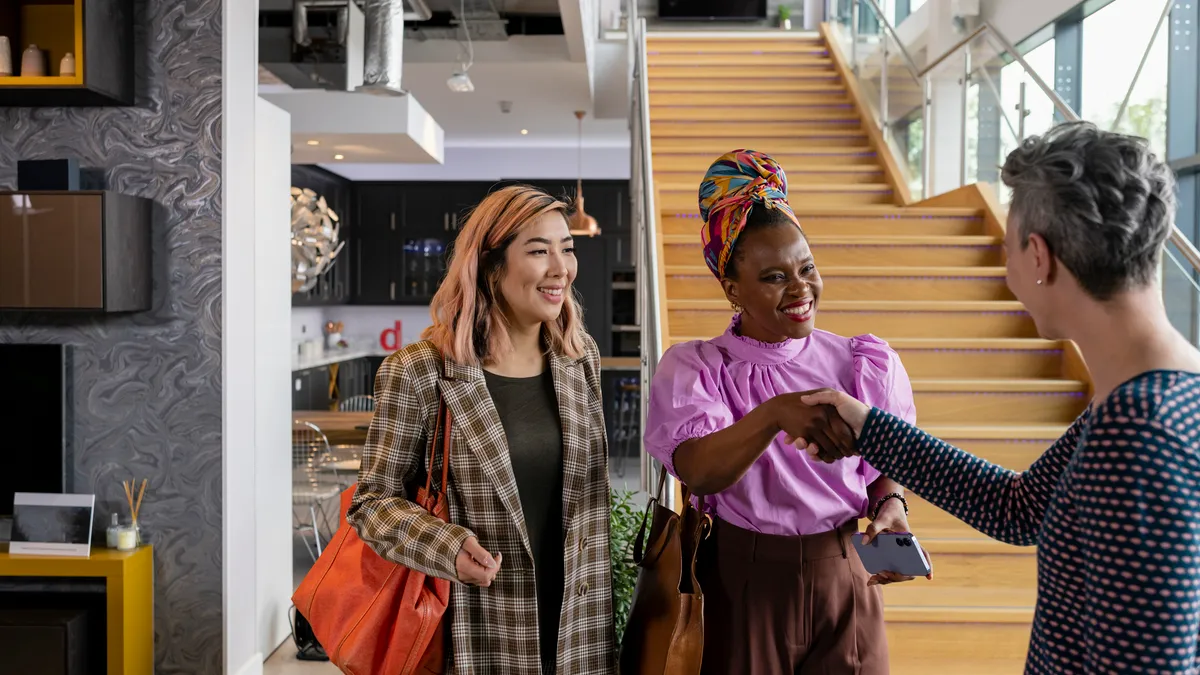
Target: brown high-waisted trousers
777, 605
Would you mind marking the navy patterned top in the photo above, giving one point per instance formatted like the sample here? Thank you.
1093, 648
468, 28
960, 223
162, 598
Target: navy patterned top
1114, 508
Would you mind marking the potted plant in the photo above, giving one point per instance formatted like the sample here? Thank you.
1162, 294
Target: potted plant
626, 518
785, 17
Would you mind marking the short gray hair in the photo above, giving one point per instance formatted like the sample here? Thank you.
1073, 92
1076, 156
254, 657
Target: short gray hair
1103, 202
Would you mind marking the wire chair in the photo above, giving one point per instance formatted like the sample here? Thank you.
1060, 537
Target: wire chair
315, 483
360, 403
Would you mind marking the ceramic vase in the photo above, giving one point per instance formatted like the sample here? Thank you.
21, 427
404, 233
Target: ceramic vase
66, 67
33, 63
5, 57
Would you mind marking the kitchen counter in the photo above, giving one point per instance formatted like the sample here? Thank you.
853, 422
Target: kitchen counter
330, 356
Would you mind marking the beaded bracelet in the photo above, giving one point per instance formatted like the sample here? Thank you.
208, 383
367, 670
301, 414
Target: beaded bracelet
890, 495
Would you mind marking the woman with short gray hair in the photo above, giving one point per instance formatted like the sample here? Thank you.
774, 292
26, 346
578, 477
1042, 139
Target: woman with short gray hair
1113, 505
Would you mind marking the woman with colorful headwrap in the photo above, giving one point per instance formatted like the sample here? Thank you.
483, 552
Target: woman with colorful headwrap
784, 589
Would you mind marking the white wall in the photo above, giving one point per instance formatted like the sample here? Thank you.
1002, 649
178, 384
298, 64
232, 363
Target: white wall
272, 367
363, 324
239, 506
256, 299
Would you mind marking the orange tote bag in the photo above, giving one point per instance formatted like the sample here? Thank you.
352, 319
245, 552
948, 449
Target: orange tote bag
373, 616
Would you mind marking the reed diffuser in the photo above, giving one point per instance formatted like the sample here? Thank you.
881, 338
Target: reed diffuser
135, 506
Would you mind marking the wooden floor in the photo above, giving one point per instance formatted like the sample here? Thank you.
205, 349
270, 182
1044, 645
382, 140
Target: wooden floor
928, 277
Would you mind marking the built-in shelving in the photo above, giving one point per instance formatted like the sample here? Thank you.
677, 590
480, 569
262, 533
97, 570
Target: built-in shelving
98, 33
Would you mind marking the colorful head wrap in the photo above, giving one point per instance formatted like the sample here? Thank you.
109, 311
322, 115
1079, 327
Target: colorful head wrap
734, 184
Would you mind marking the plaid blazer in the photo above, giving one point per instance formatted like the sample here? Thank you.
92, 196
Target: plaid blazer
494, 630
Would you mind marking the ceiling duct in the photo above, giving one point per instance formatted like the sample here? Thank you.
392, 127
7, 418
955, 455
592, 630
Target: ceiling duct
327, 44
384, 47
316, 45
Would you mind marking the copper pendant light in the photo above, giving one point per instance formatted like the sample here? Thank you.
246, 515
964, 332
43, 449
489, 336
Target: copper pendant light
581, 224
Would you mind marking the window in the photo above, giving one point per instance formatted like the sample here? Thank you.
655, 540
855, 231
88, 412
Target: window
1114, 39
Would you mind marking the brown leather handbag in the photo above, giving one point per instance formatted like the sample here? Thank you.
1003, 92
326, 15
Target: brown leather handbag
372, 616
665, 633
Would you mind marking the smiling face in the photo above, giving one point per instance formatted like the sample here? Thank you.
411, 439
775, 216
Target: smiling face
539, 268
775, 280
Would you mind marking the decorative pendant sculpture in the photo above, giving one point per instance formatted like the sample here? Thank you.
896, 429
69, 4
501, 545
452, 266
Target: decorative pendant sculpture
315, 243
5, 57
579, 222
33, 62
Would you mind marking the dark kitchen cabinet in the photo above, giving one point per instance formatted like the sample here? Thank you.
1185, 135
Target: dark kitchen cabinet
310, 389
378, 213
592, 289
354, 378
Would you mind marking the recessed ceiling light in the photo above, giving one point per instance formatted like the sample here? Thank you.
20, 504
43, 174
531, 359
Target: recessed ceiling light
339, 157
524, 132
314, 142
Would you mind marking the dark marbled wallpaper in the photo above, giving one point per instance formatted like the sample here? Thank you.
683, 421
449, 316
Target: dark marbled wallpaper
147, 387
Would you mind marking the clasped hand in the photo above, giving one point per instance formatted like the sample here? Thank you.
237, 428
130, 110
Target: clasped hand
825, 424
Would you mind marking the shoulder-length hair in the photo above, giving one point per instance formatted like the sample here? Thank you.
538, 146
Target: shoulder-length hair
469, 325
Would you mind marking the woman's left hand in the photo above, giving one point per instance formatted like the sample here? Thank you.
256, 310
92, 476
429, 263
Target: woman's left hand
891, 518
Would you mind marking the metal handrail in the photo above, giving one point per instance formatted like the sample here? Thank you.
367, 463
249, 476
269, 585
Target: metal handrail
1186, 248
649, 309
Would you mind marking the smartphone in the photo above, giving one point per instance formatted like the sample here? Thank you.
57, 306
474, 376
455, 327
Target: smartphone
896, 552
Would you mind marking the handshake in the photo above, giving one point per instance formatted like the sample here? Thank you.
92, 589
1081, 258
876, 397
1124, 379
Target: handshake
822, 422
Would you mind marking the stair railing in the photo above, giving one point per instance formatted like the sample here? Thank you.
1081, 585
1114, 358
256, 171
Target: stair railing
649, 309
871, 44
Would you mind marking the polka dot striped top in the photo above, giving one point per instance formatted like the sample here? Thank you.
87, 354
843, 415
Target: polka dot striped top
1114, 508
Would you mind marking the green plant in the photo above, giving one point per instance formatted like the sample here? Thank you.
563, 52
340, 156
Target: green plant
626, 518
785, 13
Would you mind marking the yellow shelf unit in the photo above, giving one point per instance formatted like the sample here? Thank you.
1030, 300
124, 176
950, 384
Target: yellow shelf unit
129, 601
98, 33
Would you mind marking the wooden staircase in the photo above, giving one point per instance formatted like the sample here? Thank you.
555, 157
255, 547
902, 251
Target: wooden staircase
928, 277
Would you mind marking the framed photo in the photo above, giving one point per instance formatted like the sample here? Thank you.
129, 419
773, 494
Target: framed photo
52, 524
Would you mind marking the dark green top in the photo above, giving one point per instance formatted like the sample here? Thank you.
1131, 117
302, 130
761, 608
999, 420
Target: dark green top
528, 410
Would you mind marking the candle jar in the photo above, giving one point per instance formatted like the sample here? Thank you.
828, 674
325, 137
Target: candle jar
127, 538
112, 532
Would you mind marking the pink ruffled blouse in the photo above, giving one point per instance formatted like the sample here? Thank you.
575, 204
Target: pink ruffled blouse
705, 386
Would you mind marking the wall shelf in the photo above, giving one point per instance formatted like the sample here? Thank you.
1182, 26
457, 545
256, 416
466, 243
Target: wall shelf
99, 33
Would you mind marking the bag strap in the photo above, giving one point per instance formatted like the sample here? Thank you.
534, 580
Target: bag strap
442, 427
640, 541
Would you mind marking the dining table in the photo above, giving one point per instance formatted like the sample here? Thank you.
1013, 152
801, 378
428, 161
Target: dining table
341, 428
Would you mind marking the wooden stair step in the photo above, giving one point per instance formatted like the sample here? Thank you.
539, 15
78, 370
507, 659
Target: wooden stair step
815, 116
815, 157
866, 283
886, 319
957, 640
999, 401
829, 174
671, 45
684, 135
792, 98
970, 580
704, 59
845, 220
823, 71
683, 198
723, 85
883, 250
980, 358
820, 142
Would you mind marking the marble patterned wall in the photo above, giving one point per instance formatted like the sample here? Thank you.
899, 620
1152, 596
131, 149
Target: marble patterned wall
146, 392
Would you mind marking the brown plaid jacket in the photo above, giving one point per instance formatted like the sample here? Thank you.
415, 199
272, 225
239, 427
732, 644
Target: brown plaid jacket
494, 630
